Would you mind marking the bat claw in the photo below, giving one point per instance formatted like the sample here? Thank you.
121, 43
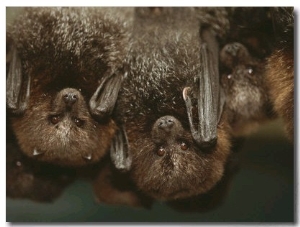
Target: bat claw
36, 152
185, 93
87, 157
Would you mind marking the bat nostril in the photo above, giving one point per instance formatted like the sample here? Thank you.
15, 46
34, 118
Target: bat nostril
166, 124
232, 49
70, 98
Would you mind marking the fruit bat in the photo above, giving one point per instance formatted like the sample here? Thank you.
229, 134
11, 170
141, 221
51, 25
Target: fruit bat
243, 81
280, 67
173, 137
65, 68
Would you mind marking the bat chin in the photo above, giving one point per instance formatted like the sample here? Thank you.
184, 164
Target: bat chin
174, 189
182, 176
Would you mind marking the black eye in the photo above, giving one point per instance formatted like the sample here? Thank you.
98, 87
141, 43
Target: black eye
55, 119
78, 122
184, 146
161, 151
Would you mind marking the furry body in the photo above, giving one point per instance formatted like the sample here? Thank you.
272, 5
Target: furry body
245, 88
280, 68
163, 60
65, 48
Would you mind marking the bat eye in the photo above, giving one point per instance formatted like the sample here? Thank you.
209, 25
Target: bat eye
55, 119
184, 146
78, 122
161, 151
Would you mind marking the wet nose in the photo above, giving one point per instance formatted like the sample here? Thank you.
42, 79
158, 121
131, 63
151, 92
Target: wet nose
166, 123
233, 49
70, 98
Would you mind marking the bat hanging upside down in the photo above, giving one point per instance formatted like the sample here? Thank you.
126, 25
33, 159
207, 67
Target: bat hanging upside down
65, 72
174, 140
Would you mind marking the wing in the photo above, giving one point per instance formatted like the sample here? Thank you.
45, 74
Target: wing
119, 151
210, 105
104, 99
17, 87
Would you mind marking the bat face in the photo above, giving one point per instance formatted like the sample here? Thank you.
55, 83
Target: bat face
244, 85
65, 71
63, 130
169, 164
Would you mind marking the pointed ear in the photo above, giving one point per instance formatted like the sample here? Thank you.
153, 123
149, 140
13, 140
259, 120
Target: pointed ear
17, 86
104, 99
119, 152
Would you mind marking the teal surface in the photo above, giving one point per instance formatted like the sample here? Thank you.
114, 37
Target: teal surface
261, 191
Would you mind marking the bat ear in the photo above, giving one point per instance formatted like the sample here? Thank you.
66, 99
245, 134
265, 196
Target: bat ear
17, 86
119, 151
104, 99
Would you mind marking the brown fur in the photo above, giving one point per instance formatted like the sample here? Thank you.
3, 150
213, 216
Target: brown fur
215, 196
280, 67
28, 179
163, 60
280, 77
65, 48
62, 143
243, 81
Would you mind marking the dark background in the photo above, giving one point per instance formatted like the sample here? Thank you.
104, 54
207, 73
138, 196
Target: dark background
261, 191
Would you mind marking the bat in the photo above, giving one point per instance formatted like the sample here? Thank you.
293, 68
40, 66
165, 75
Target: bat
65, 69
269, 37
243, 82
280, 67
173, 138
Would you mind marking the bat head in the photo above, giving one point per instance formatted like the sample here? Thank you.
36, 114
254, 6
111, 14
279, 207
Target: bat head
171, 165
59, 128
64, 74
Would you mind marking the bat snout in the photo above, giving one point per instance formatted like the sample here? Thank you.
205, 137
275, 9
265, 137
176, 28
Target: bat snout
166, 123
67, 98
232, 49
70, 96
70, 99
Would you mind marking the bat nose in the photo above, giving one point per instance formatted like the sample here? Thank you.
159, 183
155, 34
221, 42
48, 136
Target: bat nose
70, 98
233, 49
166, 123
